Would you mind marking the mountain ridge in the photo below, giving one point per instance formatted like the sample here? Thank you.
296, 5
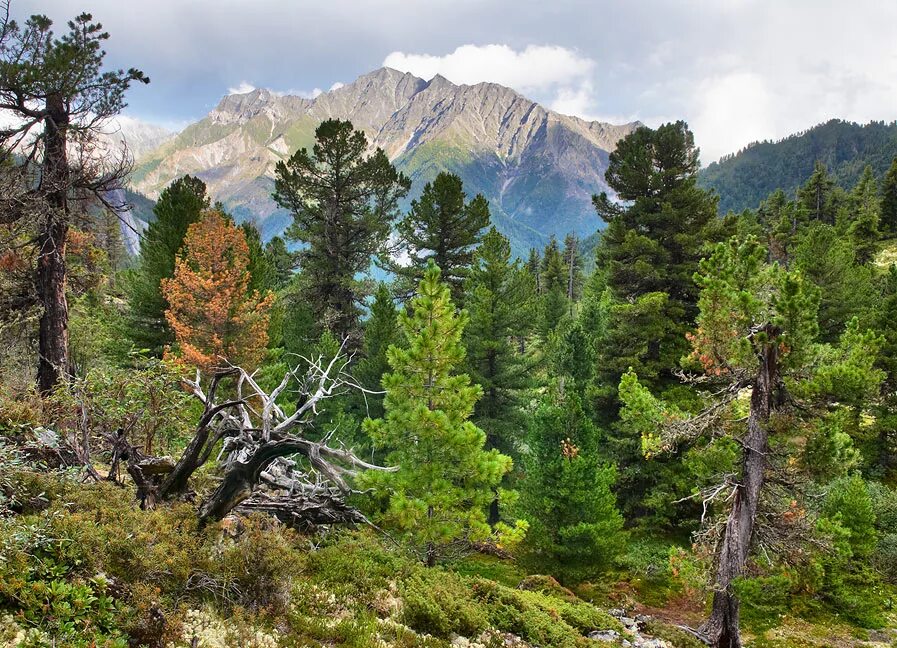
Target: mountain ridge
538, 168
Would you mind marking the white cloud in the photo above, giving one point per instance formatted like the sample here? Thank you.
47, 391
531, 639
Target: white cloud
336, 86
537, 67
578, 101
733, 110
242, 88
558, 75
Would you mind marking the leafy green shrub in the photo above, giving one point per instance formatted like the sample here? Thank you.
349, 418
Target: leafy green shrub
259, 565
40, 579
501, 570
546, 585
884, 504
439, 603
764, 599
647, 562
538, 618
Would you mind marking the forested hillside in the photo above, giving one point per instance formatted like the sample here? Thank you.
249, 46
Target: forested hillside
745, 178
226, 442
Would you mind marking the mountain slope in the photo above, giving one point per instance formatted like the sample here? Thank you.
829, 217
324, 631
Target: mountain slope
538, 169
744, 179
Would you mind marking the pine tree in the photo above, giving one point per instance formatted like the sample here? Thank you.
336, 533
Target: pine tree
756, 328
261, 271
56, 97
651, 247
575, 527
534, 267
443, 227
863, 227
574, 262
829, 260
782, 221
889, 200
214, 316
179, 206
818, 196
500, 301
381, 330
343, 202
445, 478
282, 260
553, 277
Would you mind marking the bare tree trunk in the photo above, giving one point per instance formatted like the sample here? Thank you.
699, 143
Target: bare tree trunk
51, 275
722, 628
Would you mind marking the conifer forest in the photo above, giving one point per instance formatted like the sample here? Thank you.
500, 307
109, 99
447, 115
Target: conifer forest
378, 392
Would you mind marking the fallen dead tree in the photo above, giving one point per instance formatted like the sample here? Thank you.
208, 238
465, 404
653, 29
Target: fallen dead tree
267, 459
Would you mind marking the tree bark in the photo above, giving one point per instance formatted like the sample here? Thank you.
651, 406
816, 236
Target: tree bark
51, 274
722, 628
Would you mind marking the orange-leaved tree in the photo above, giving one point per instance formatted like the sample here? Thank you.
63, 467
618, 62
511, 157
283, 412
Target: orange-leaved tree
215, 318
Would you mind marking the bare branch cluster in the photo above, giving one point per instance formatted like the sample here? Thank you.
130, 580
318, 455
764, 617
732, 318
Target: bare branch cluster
267, 457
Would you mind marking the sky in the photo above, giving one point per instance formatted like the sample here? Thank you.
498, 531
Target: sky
737, 71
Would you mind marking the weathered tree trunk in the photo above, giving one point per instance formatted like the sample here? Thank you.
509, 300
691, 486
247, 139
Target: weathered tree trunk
242, 477
51, 275
304, 511
722, 628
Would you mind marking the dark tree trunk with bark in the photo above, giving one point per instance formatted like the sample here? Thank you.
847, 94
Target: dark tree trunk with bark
51, 276
722, 628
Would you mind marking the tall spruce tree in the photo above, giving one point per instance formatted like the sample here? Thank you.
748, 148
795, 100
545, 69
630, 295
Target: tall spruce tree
574, 262
443, 226
381, 330
500, 301
261, 270
566, 496
889, 200
819, 196
534, 267
865, 208
553, 278
180, 205
282, 260
445, 477
343, 203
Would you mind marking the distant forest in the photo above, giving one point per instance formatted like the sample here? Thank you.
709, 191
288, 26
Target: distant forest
745, 178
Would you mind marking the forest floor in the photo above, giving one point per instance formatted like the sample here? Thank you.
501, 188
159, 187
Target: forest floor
82, 566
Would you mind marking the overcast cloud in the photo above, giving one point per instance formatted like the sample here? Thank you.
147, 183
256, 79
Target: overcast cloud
737, 71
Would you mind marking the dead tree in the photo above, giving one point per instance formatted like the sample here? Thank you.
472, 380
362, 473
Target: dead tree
267, 460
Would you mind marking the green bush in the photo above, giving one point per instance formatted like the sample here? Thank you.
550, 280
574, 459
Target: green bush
439, 603
764, 599
539, 618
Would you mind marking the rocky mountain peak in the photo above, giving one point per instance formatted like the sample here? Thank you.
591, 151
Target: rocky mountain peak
538, 168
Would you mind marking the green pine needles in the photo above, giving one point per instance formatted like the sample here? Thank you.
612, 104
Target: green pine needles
445, 478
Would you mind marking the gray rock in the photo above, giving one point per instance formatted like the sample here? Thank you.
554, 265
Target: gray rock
604, 635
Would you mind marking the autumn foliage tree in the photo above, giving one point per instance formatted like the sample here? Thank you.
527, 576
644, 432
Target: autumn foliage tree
214, 316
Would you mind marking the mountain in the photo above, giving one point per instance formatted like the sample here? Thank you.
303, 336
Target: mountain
744, 179
538, 168
139, 136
